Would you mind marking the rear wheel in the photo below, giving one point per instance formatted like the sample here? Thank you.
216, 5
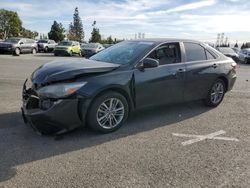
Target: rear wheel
245, 61
108, 112
216, 93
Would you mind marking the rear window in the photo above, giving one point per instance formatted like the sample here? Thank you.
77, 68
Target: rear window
194, 52
209, 55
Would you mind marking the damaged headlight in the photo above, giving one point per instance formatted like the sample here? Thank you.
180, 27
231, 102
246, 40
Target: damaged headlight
60, 90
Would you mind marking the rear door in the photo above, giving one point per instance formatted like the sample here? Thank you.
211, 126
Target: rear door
202, 69
165, 83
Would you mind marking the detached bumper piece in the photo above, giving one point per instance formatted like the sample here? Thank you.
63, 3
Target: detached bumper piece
49, 117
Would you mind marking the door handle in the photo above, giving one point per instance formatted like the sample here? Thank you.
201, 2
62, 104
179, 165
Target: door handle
181, 71
214, 65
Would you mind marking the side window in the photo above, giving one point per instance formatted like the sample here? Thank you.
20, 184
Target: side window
167, 54
24, 41
209, 55
29, 41
194, 52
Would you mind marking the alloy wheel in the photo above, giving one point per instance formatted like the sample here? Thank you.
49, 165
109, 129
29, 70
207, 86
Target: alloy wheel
217, 92
110, 113
17, 51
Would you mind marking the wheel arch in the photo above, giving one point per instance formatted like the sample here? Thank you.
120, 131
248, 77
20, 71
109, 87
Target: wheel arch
84, 114
225, 80
119, 90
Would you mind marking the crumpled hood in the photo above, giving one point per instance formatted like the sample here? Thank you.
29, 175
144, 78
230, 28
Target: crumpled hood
69, 69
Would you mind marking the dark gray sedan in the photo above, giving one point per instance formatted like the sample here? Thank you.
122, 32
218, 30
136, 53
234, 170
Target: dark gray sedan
102, 91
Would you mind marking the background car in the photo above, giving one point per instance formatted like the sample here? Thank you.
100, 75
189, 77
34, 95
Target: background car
103, 90
244, 55
229, 52
107, 45
91, 49
16, 46
46, 45
236, 50
67, 48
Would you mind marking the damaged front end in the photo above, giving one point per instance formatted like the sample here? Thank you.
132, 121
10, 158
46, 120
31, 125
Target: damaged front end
49, 115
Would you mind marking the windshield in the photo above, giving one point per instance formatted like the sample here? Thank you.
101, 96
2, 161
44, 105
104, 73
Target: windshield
42, 41
91, 45
12, 40
65, 43
226, 50
123, 53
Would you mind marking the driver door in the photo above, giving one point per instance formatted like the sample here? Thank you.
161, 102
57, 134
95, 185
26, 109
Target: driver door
163, 84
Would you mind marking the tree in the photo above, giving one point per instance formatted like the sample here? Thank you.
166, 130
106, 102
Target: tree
10, 24
28, 33
243, 46
236, 45
56, 32
95, 34
110, 40
76, 31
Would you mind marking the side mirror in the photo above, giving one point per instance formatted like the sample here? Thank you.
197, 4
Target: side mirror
150, 63
21, 43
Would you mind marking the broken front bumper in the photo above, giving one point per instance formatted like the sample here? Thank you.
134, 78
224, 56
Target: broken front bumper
50, 117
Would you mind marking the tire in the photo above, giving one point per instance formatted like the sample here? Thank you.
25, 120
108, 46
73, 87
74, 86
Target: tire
103, 119
216, 93
33, 51
70, 53
17, 52
245, 61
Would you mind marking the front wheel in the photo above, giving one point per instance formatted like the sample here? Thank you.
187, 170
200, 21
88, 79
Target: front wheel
108, 112
17, 52
33, 51
216, 93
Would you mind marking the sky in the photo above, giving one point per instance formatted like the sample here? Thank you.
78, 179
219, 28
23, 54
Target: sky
200, 19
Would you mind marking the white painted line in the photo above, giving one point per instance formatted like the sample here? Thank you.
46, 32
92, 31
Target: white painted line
198, 138
11, 79
240, 91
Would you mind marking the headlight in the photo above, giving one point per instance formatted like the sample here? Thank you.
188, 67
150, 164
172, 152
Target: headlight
60, 90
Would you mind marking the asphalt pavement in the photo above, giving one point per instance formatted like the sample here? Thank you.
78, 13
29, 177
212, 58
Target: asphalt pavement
153, 149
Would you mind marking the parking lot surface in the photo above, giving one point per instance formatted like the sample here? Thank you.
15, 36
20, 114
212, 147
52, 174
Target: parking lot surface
153, 149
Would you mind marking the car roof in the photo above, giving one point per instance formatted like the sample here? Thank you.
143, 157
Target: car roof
162, 40
248, 49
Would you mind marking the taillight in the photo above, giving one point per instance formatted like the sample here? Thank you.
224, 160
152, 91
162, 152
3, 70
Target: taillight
234, 65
